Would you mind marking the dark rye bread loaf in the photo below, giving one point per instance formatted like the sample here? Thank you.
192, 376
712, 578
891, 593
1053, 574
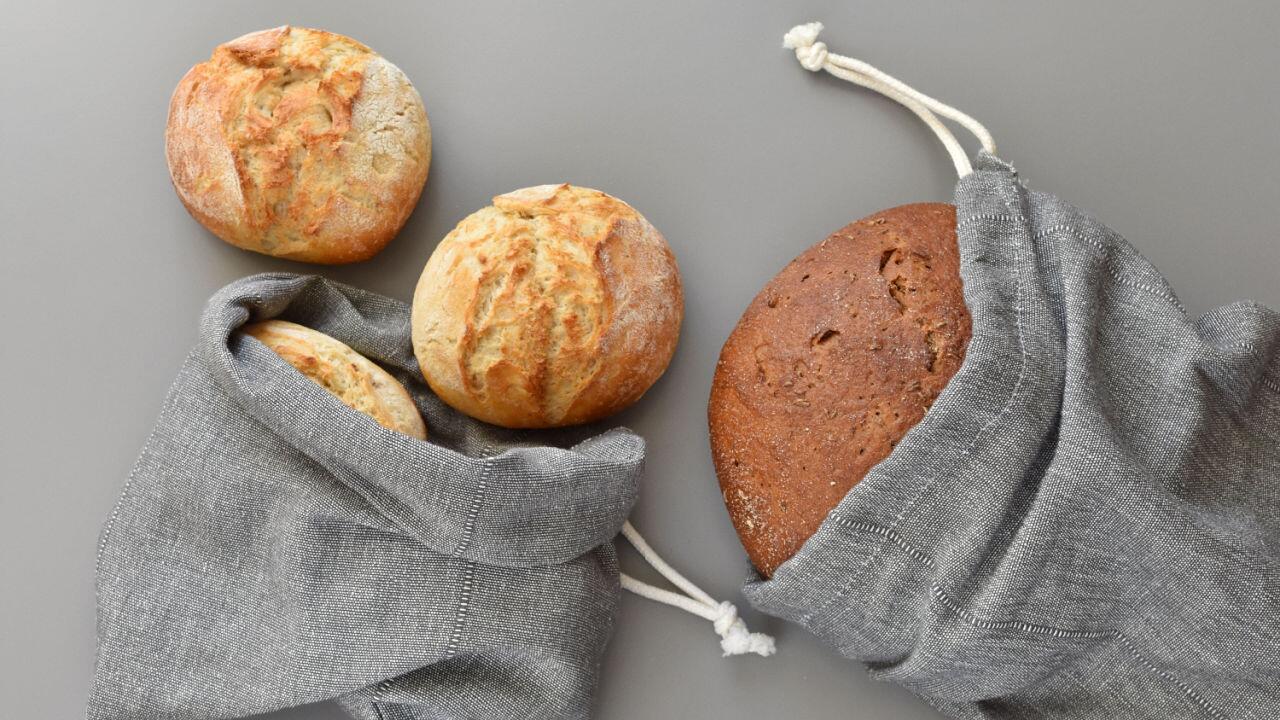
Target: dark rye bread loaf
833, 362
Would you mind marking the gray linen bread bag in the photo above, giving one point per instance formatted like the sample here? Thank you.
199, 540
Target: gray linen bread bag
273, 547
1087, 522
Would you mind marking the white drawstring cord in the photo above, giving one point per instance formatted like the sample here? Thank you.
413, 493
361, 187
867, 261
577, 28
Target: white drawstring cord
735, 639
814, 56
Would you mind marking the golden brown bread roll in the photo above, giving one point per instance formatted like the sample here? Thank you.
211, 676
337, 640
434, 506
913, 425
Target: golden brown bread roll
298, 143
833, 362
350, 376
556, 305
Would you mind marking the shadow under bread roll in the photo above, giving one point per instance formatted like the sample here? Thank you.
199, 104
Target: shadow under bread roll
351, 377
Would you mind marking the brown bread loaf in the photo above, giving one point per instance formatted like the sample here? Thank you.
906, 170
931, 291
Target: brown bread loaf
831, 364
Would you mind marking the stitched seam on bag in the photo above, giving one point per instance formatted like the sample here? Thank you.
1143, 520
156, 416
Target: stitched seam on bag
1269, 384
469, 570
378, 693
1033, 628
1019, 311
1263, 380
953, 607
171, 399
990, 218
1137, 655
1002, 188
891, 536
885, 532
464, 609
1081, 237
473, 512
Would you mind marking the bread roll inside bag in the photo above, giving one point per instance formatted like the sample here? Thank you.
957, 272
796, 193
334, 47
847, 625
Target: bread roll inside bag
274, 547
1085, 523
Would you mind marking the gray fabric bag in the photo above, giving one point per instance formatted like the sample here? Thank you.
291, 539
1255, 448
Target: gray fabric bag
1087, 522
273, 547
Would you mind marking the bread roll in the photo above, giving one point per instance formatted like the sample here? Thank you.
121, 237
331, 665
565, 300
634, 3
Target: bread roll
350, 376
832, 363
554, 306
300, 144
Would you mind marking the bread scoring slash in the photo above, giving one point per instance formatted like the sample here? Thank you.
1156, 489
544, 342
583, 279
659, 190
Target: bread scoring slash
554, 306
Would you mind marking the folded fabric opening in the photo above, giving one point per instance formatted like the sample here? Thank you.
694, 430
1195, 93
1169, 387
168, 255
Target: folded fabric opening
273, 547
1086, 524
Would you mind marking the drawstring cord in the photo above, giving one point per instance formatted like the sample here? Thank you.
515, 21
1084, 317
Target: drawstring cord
814, 56
735, 639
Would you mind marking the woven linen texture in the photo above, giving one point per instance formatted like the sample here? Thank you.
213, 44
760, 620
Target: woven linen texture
1087, 522
273, 547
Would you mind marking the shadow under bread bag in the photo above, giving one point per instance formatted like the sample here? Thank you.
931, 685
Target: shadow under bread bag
273, 547
1086, 524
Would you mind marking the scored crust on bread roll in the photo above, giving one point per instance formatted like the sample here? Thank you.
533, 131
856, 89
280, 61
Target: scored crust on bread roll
554, 306
351, 377
833, 362
298, 143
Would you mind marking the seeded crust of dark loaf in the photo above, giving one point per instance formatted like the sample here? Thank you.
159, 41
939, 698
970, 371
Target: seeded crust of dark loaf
831, 364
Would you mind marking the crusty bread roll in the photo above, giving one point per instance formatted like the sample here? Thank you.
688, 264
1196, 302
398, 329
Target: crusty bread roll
554, 306
350, 376
298, 143
833, 362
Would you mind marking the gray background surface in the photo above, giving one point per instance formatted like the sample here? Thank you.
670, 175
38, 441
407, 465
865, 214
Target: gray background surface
1158, 118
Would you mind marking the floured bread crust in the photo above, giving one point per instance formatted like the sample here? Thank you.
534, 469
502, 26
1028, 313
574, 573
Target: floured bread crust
298, 143
554, 306
350, 376
833, 362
